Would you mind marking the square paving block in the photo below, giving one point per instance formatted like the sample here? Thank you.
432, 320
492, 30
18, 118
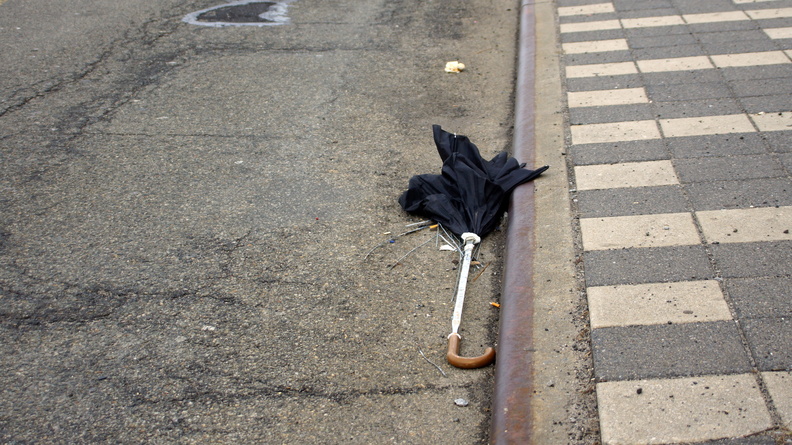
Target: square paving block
608, 34
650, 6
739, 46
631, 201
717, 145
604, 83
703, 107
779, 141
761, 297
571, 59
657, 304
740, 194
666, 52
684, 410
628, 174
601, 98
682, 77
731, 168
669, 40
611, 113
769, 340
779, 385
615, 152
786, 159
745, 260
668, 350
774, 78
646, 265
767, 104
670, 93
638, 231
755, 224
708, 38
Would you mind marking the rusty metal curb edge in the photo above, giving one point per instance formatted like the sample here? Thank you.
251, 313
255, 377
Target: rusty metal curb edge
511, 409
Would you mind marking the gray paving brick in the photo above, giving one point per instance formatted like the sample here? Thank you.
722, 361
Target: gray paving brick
722, 26
665, 351
745, 260
667, 52
732, 168
769, 340
608, 34
786, 159
650, 6
614, 113
784, 44
682, 77
771, 103
708, 38
771, 23
779, 141
689, 7
658, 31
672, 40
657, 11
610, 153
669, 93
695, 108
740, 46
564, 3
761, 297
740, 194
631, 201
583, 18
605, 83
716, 145
646, 265
605, 57
743, 79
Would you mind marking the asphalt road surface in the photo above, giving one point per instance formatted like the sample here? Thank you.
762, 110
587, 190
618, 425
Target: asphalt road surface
191, 214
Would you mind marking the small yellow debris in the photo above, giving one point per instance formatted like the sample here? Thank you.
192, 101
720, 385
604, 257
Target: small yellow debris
454, 66
495, 304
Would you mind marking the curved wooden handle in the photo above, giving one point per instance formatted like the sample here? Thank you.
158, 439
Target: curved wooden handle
467, 362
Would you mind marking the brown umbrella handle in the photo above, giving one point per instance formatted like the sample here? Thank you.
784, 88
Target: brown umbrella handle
455, 359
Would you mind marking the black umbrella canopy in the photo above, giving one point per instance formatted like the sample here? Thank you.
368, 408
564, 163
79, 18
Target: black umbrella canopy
470, 194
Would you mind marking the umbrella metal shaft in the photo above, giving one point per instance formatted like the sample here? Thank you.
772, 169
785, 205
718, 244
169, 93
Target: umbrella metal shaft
470, 242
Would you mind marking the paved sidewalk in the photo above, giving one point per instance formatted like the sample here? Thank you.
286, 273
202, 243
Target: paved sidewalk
680, 147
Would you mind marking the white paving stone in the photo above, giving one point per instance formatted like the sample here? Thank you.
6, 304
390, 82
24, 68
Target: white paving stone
779, 385
637, 231
656, 303
630, 174
705, 125
746, 225
599, 98
615, 131
691, 409
595, 46
596, 8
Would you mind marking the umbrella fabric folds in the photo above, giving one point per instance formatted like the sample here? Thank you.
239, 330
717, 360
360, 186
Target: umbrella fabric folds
470, 194
468, 198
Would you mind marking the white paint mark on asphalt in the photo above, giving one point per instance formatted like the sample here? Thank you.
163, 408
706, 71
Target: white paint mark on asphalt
275, 14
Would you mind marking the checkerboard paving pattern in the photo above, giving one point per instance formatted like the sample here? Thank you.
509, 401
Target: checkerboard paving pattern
680, 140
